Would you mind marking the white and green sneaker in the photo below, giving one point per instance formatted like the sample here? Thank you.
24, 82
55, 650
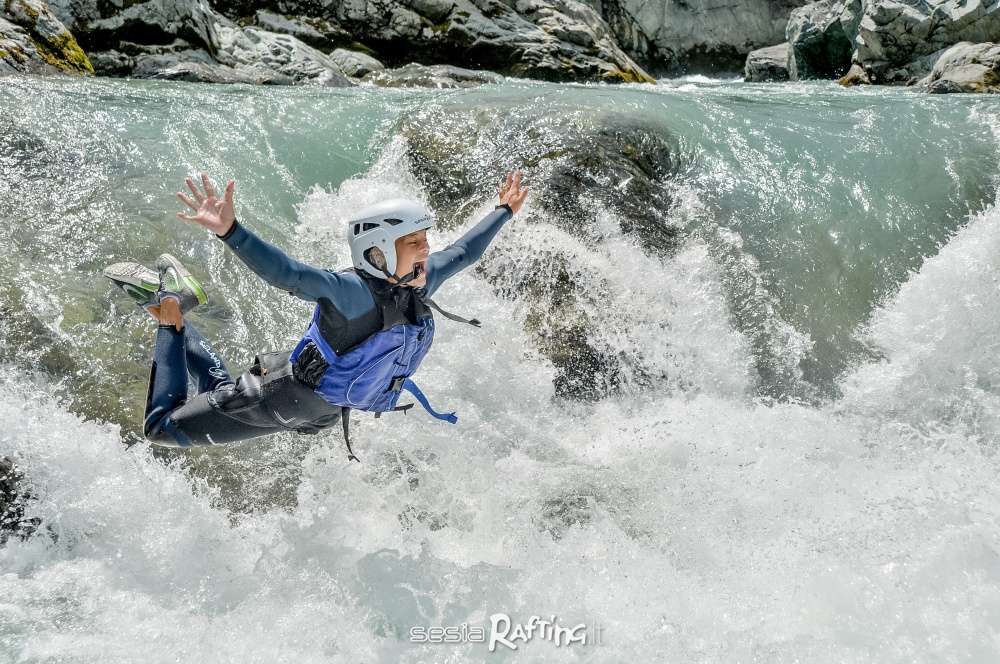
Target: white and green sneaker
145, 286
175, 281
138, 281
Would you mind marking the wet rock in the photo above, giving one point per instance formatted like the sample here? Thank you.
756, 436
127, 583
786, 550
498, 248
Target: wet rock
592, 174
355, 63
13, 496
416, 75
767, 64
965, 67
856, 75
197, 70
34, 40
820, 39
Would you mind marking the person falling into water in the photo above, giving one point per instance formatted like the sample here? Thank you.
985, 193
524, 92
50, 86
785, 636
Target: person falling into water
371, 328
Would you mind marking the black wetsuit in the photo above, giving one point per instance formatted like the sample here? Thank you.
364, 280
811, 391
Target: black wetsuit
268, 397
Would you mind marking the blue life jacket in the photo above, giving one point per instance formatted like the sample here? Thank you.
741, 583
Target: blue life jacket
371, 374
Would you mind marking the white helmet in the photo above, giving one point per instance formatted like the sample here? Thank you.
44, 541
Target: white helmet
378, 226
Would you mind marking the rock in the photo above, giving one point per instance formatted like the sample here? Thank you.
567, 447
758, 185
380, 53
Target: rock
199, 67
13, 495
965, 67
188, 40
592, 174
559, 40
316, 32
416, 75
767, 64
820, 40
112, 63
674, 37
32, 37
283, 54
355, 63
893, 34
856, 75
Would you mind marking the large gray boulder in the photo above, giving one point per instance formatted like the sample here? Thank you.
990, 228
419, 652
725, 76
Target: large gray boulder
696, 35
283, 54
893, 34
33, 39
189, 40
965, 67
317, 32
821, 39
560, 40
767, 64
355, 63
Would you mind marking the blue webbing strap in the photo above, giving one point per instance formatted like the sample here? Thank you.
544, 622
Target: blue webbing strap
412, 388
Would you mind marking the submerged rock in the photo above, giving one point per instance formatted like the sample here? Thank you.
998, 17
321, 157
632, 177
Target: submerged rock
767, 64
34, 40
592, 175
966, 67
13, 495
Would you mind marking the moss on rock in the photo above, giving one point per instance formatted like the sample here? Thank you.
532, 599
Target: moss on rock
63, 53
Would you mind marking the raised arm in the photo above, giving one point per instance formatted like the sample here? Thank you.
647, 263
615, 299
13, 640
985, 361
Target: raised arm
442, 265
278, 269
266, 260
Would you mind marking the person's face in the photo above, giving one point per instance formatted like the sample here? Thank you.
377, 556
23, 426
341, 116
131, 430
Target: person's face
411, 253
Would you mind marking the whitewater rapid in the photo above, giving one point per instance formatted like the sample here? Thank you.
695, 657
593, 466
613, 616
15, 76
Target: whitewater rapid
693, 522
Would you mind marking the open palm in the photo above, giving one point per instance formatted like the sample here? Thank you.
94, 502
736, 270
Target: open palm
214, 213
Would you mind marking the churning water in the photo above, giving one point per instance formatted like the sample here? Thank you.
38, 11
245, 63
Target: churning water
749, 411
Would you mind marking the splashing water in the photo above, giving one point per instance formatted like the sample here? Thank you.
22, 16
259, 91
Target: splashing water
800, 464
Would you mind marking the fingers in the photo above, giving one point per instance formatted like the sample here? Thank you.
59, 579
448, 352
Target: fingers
187, 200
230, 188
186, 217
194, 190
504, 185
209, 189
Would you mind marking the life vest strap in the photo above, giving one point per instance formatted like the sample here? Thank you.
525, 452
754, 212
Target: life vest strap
345, 419
412, 388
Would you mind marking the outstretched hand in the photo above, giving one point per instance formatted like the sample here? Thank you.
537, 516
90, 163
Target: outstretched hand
512, 193
215, 214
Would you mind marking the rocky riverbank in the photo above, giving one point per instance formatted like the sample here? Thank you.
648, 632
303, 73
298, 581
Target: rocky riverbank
936, 45
338, 43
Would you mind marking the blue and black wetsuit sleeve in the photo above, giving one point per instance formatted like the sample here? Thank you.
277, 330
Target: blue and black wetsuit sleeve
278, 269
441, 265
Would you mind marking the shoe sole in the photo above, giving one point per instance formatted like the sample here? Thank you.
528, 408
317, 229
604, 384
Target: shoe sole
185, 276
133, 274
